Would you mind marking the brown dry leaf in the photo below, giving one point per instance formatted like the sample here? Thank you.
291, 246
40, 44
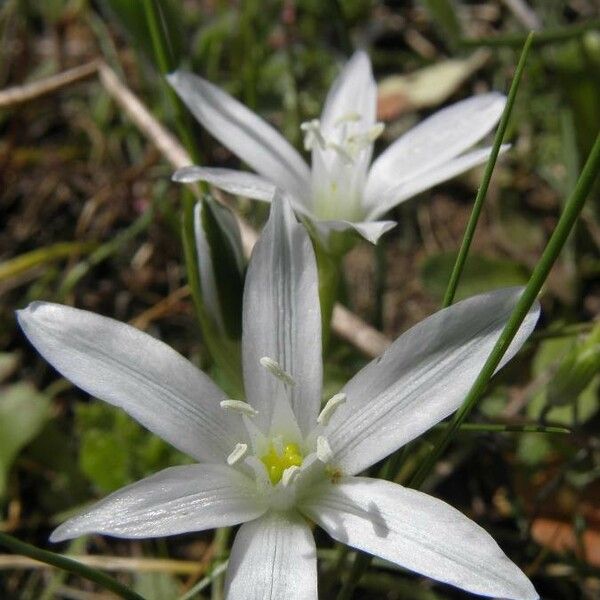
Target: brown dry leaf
426, 87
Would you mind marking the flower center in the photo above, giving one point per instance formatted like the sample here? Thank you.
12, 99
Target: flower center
278, 462
348, 142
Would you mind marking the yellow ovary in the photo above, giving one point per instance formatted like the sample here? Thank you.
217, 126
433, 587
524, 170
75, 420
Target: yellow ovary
277, 463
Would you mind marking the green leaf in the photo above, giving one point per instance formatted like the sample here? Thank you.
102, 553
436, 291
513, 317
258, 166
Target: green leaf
115, 450
221, 265
532, 449
545, 365
444, 14
577, 369
103, 458
480, 274
23, 412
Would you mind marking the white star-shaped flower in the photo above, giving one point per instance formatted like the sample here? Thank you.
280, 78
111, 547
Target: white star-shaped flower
279, 461
342, 190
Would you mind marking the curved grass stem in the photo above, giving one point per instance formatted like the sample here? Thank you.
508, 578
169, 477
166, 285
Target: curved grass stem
69, 565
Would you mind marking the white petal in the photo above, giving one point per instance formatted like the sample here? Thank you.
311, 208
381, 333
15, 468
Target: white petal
176, 500
350, 108
273, 558
422, 378
282, 319
441, 137
370, 231
417, 532
354, 91
234, 182
397, 194
243, 132
136, 372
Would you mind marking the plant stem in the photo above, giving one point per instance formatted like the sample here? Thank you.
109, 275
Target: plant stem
549, 36
502, 428
166, 63
487, 176
571, 211
361, 564
67, 564
221, 541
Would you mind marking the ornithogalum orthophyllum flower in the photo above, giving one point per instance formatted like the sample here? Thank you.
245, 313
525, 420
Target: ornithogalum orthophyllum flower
278, 461
342, 190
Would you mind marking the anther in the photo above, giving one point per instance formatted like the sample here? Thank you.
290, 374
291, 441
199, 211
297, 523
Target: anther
289, 475
312, 134
275, 369
329, 408
238, 453
324, 452
238, 406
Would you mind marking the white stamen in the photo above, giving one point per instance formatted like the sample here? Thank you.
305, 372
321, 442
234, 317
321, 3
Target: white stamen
324, 452
238, 453
275, 369
330, 407
312, 134
289, 475
243, 408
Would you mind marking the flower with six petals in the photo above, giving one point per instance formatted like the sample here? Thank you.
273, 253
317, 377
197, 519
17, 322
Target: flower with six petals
343, 190
278, 461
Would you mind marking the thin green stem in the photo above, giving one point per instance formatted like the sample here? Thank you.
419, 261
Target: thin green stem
361, 564
505, 428
166, 63
67, 564
487, 176
221, 542
205, 582
569, 216
550, 36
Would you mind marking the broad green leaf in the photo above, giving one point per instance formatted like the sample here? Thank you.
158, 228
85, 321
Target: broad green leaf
221, 265
23, 412
551, 353
480, 274
577, 369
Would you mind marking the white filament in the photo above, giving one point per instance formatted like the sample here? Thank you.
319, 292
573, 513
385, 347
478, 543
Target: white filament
238, 406
238, 453
324, 452
289, 475
275, 369
329, 408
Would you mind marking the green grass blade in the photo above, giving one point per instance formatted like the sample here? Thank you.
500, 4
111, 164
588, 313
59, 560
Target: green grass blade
67, 564
567, 220
487, 176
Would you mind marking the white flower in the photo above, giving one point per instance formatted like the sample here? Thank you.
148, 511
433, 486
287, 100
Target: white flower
340, 192
280, 459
